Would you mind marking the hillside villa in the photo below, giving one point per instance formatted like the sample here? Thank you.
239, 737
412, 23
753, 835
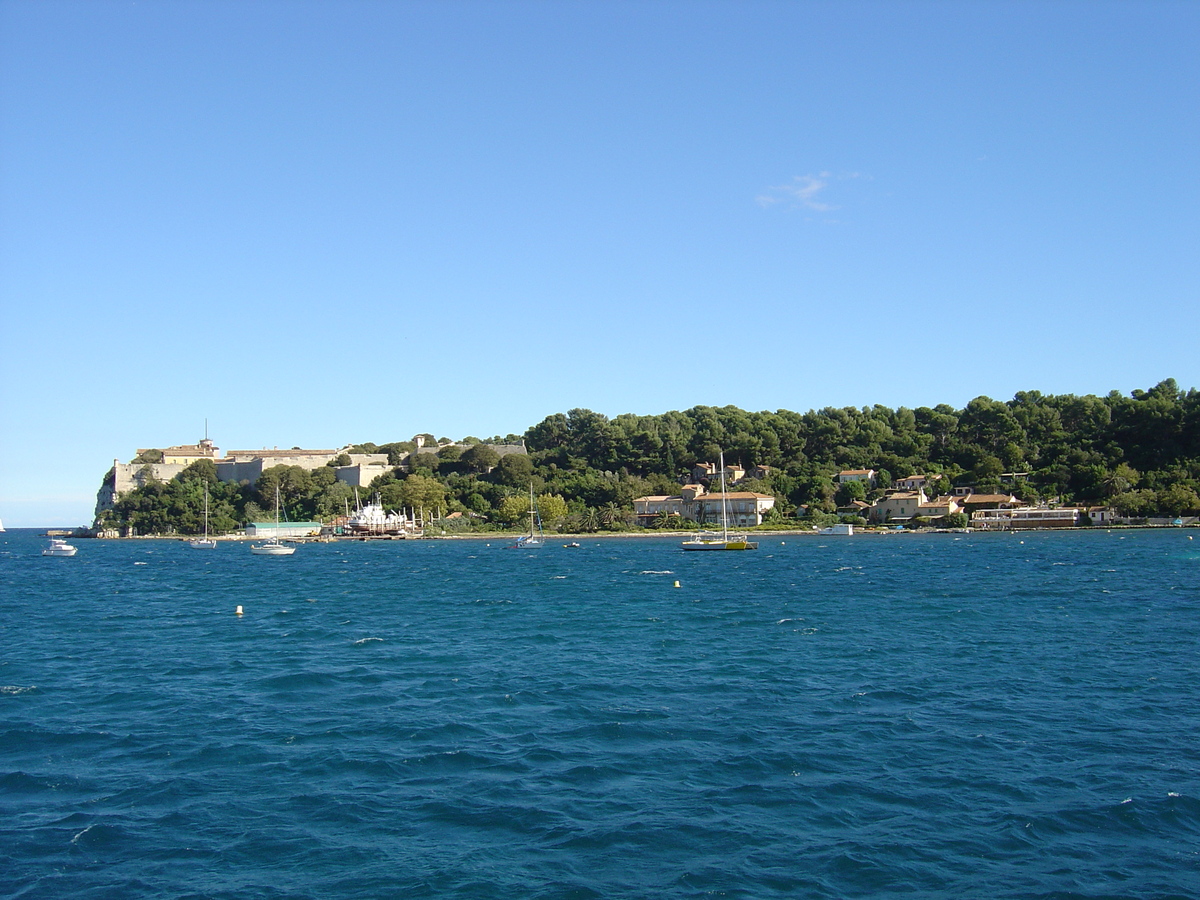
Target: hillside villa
744, 508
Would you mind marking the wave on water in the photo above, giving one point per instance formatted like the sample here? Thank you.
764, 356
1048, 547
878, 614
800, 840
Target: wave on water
657, 572
13, 690
368, 640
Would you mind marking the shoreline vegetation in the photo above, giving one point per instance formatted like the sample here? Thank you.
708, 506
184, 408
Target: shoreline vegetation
1137, 455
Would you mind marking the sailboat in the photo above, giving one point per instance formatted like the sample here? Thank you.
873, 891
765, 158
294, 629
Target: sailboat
708, 540
204, 543
535, 537
273, 547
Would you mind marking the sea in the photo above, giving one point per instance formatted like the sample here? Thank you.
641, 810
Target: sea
901, 715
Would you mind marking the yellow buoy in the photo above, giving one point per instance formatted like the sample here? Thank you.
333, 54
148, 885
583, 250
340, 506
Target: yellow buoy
677, 584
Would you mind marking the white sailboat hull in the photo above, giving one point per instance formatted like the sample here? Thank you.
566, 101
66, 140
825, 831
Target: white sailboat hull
270, 549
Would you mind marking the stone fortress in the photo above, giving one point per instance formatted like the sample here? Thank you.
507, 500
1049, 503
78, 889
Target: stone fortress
248, 465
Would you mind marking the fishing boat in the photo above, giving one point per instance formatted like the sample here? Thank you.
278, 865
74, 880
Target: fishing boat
710, 540
535, 538
59, 548
204, 543
273, 546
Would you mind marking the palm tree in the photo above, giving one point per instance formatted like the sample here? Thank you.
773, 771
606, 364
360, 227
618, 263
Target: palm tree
610, 514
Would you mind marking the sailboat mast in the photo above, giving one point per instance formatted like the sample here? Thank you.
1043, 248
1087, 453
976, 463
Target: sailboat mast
724, 510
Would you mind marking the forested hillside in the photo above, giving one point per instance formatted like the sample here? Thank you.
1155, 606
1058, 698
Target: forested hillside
1139, 453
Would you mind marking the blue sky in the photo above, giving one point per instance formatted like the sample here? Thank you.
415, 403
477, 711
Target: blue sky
321, 223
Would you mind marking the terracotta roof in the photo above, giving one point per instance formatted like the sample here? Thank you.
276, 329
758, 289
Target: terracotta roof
856, 472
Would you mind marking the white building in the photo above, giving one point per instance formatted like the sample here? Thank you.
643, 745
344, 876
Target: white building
867, 476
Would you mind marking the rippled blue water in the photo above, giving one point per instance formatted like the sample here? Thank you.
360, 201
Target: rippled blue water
925, 716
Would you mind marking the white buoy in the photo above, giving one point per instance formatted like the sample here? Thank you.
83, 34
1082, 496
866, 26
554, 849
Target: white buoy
677, 584
238, 611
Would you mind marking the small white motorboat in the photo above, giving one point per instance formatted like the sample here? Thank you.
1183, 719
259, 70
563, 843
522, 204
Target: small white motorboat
59, 548
841, 528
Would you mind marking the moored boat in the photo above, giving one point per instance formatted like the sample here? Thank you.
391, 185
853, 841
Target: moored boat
373, 519
273, 546
841, 528
710, 540
204, 543
535, 538
59, 547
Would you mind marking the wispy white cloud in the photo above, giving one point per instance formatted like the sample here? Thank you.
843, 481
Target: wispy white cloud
805, 191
